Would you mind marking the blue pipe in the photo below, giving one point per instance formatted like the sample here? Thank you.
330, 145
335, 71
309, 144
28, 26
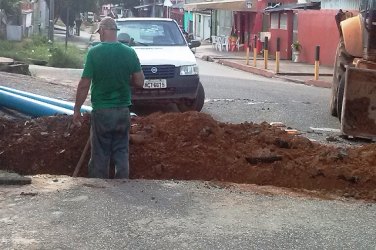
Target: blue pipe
30, 106
56, 102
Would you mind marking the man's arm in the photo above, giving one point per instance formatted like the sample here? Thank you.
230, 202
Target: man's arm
137, 79
82, 91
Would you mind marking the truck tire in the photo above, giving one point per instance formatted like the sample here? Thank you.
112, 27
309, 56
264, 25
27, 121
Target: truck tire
197, 103
342, 59
340, 94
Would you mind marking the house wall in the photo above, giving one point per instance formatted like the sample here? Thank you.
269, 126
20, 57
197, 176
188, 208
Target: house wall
201, 26
205, 27
314, 28
225, 21
285, 35
256, 24
188, 18
245, 26
177, 15
248, 24
312, 33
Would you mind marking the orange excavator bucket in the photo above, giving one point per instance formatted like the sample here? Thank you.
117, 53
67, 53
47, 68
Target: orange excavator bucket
359, 104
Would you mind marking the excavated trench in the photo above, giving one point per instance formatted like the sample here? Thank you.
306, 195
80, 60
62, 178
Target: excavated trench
193, 146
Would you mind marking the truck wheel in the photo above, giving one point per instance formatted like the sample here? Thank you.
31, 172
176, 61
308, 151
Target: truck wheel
197, 103
342, 59
341, 91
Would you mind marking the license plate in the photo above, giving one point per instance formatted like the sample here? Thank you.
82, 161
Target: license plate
155, 84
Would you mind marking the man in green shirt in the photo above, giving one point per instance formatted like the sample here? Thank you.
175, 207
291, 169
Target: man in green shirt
110, 69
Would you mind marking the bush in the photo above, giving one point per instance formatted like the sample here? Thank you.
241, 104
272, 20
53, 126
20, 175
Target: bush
296, 46
64, 59
39, 40
37, 50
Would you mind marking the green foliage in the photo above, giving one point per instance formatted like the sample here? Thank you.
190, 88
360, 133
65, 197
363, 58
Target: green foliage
78, 6
296, 46
65, 59
37, 49
75, 7
21, 51
11, 7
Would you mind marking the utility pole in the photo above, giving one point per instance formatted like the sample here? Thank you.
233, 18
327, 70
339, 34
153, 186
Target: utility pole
67, 30
154, 8
52, 18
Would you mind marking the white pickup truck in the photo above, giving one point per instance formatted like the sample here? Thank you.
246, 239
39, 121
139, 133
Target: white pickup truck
170, 68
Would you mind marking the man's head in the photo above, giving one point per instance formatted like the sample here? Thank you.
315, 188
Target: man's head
107, 29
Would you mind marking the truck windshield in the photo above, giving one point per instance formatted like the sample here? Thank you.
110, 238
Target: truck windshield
150, 33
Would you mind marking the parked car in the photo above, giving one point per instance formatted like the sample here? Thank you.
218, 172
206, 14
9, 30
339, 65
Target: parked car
170, 68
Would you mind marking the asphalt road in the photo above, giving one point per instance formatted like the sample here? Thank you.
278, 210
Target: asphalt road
67, 213
236, 96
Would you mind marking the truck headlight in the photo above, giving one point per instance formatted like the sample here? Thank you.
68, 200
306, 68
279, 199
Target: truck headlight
188, 70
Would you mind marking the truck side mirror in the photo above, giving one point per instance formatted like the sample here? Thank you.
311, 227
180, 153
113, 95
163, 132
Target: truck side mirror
194, 44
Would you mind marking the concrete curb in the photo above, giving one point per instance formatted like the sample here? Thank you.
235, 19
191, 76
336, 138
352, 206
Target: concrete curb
267, 73
250, 69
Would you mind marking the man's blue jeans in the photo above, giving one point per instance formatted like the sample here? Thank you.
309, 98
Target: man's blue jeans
109, 140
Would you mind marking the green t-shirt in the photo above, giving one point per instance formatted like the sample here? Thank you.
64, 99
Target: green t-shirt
110, 66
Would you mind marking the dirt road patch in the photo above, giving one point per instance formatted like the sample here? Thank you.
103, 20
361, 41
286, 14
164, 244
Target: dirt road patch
193, 146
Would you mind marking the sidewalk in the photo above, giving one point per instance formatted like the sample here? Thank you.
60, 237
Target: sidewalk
288, 70
81, 41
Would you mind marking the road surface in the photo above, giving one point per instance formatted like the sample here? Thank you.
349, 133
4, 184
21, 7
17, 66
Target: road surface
59, 212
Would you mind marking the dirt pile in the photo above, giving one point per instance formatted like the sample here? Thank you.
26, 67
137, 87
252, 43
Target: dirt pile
195, 146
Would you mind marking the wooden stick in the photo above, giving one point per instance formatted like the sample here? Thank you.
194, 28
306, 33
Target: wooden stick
83, 155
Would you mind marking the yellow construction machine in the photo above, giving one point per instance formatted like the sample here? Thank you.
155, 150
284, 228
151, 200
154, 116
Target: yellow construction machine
354, 79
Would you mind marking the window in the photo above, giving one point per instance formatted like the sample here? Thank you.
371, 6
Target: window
149, 32
283, 22
274, 20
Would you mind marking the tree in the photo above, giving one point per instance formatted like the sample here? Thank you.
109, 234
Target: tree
11, 8
75, 8
78, 6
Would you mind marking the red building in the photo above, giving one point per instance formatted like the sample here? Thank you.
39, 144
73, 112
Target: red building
312, 34
176, 12
248, 24
312, 24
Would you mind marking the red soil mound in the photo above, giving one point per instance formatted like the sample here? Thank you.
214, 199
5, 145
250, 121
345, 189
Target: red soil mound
194, 146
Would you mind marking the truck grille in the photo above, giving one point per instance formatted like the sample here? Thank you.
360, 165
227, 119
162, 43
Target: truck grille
158, 71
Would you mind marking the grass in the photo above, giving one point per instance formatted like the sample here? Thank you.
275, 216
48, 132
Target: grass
37, 49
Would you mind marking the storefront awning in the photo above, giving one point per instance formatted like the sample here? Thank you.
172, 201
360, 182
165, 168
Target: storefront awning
294, 6
234, 5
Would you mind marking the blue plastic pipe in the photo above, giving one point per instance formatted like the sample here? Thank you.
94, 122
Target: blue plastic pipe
56, 102
30, 106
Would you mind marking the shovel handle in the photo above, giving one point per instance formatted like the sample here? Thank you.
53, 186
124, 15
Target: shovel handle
79, 164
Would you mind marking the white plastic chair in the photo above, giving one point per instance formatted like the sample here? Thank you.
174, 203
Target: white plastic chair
225, 43
218, 45
214, 41
237, 44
